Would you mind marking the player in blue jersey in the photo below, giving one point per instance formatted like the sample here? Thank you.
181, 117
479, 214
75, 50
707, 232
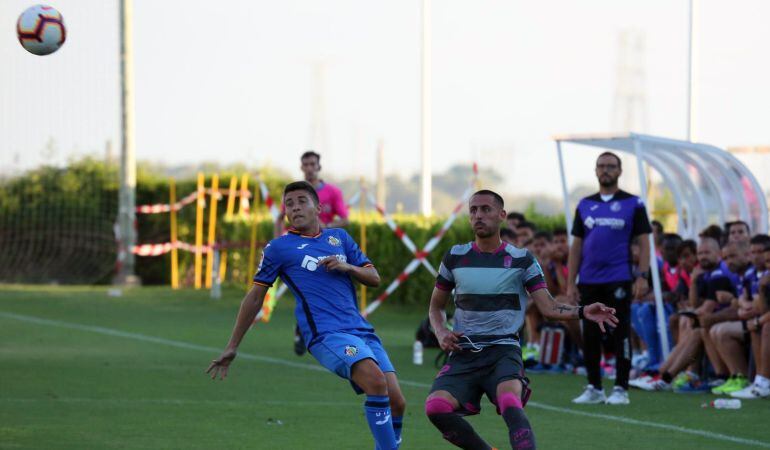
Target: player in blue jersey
491, 280
600, 269
318, 265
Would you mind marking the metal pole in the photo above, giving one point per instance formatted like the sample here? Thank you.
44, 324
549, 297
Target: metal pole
425, 182
659, 311
564, 192
127, 192
691, 72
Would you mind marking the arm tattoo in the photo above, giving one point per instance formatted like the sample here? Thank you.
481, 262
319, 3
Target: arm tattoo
561, 308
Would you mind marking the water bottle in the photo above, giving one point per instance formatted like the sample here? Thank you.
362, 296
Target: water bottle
724, 403
417, 353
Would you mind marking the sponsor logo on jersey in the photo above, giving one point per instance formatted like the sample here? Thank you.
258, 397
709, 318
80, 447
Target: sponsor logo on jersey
612, 222
311, 263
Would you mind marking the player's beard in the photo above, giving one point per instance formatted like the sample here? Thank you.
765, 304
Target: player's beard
484, 232
607, 181
707, 265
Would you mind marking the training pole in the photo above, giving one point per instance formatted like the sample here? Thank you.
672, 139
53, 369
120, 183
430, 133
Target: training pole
199, 230
174, 236
212, 229
362, 218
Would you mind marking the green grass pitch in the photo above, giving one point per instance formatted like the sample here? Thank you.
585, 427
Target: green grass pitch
81, 370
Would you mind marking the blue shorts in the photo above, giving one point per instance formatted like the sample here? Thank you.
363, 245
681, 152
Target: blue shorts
338, 352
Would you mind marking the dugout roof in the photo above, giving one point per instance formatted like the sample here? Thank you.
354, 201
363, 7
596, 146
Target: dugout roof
709, 185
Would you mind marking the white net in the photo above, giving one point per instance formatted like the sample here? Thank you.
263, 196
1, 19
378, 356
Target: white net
58, 181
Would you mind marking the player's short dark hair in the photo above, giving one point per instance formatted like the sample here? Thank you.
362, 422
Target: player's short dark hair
620, 163
671, 237
311, 154
687, 244
515, 215
495, 195
508, 233
528, 224
544, 235
713, 232
656, 223
761, 239
302, 186
560, 231
729, 225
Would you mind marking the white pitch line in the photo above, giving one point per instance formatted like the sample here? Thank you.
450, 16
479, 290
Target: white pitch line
175, 401
267, 359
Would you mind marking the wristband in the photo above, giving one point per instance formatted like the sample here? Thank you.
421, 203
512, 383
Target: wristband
580, 312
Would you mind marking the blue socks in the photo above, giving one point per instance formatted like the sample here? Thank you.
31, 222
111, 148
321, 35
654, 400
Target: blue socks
398, 423
377, 412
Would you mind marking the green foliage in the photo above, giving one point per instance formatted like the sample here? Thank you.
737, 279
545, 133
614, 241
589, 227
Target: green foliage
87, 192
56, 224
542, 221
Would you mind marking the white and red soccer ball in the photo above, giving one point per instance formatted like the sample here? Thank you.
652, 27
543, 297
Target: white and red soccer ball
41, 30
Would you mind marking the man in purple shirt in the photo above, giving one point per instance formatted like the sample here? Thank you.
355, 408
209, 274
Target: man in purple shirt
600, 270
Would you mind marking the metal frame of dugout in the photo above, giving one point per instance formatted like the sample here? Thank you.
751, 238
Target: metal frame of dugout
708, 185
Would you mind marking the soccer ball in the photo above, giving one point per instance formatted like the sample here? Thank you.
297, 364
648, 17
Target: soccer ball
41, 30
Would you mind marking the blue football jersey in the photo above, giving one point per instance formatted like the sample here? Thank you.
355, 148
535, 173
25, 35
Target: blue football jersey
326, 300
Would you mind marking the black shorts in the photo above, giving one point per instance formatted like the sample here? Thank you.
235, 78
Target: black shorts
468, 375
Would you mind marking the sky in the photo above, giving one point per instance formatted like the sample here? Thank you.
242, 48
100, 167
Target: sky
238, 83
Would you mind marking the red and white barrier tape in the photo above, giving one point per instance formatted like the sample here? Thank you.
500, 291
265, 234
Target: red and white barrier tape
188, 199
165, 207
274, 211
426, 250
165, 247
401, 235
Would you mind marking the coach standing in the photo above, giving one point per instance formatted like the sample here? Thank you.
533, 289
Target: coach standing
600, 270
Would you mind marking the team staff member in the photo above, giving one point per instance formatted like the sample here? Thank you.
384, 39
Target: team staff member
600, 270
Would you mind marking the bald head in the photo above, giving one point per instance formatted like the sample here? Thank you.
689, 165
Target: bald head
736, 255
708, 253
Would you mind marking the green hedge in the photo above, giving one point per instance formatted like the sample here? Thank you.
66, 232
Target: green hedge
68, 215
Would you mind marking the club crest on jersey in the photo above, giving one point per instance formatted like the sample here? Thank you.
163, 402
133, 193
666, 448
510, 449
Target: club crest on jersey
351, 350
615, 206
334, 242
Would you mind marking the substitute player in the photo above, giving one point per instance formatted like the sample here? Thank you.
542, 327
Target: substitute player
492, 280
318, 265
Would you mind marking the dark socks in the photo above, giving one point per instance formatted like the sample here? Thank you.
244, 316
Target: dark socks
458, 431
665, 376
519, 430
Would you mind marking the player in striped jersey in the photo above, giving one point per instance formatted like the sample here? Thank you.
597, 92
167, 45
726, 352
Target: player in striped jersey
492, 281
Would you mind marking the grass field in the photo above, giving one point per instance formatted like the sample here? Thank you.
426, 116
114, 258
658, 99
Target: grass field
81, 370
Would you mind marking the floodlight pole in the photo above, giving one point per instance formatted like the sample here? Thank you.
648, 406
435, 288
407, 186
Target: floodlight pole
690, 72
564, 192
425, 122
660, 312
127, 193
